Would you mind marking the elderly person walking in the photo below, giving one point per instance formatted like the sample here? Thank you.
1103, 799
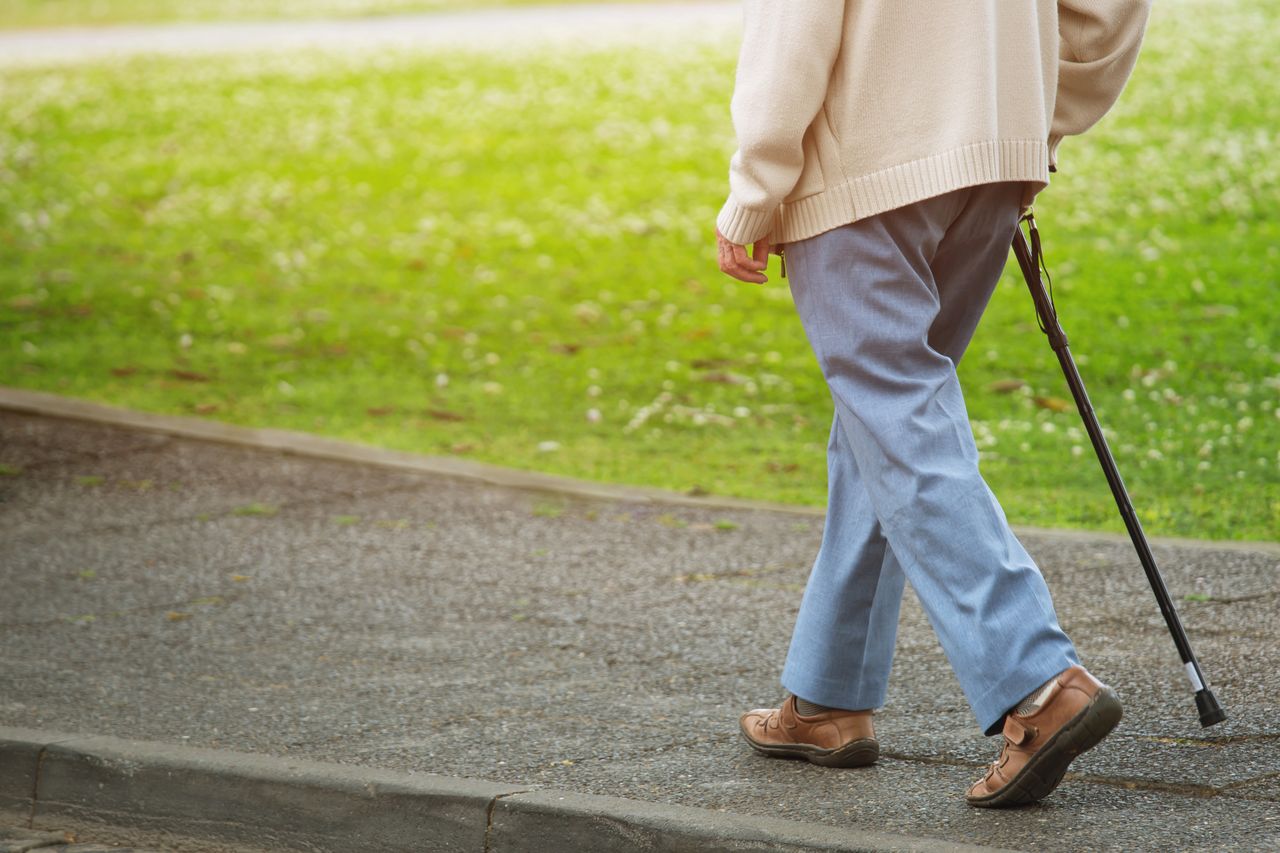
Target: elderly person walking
889, 147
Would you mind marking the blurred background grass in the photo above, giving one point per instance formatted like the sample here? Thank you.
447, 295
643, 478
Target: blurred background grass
59, 13
510, 258
91, 13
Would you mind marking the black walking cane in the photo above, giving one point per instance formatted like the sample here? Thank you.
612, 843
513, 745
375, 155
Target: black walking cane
1031, 261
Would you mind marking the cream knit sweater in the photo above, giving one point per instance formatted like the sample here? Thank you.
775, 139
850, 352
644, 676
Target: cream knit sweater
848, 108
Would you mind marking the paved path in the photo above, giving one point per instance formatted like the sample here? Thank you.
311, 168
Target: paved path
14, 839
175, 590
488, 29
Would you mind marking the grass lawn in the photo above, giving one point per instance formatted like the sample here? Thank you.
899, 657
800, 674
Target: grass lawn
62, 13
510, 258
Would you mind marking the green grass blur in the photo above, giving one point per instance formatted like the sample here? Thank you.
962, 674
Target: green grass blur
17, 14
510, 258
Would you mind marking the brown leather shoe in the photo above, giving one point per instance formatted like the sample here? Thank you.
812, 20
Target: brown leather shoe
833, 738
1079, 712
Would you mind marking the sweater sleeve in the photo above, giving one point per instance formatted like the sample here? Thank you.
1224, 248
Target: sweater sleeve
788, 50
1098, 46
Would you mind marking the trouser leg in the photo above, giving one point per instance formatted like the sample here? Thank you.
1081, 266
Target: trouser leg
889, 304
842, 646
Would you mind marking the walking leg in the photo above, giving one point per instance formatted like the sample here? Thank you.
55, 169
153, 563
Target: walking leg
871, 303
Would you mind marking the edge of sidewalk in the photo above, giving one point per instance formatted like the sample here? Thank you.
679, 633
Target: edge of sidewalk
306, 444
230, 798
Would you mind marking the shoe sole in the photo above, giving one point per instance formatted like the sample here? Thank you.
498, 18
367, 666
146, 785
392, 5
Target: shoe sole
1047, 767
858, 753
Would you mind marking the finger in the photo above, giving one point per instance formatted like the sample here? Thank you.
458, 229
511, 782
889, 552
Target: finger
761, 251
730, 267
742, 274
744, 260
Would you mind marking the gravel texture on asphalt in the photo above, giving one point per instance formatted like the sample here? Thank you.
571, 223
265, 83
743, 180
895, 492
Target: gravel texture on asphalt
170, 589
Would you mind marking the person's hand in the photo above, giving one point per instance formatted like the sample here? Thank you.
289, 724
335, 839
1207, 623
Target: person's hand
735, 261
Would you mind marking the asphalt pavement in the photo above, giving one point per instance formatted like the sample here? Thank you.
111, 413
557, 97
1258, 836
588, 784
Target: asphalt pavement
363, 612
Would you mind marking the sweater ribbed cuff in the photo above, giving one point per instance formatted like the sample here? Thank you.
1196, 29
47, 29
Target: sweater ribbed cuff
744, 226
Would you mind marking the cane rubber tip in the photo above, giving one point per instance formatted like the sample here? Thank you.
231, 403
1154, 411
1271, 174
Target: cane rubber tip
1211, 712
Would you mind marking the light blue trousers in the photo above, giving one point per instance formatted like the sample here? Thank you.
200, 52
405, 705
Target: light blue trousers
889, 304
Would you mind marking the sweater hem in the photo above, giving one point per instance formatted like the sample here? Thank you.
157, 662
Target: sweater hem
907, 183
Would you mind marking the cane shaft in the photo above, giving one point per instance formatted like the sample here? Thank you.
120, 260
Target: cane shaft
1047, 314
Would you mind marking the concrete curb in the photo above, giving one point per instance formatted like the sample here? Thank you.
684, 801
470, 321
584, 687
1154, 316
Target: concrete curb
305, 444
269, 802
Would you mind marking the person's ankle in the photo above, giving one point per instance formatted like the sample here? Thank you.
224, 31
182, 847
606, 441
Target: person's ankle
805, 708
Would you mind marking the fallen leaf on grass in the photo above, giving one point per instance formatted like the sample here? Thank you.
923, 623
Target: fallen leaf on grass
127, 370
781, 467
188, 375
205, 408
379, 411
1006, 386
445, 415
1053, 404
